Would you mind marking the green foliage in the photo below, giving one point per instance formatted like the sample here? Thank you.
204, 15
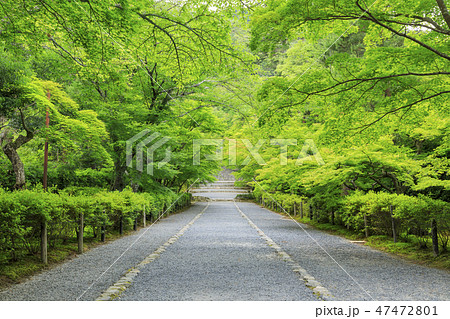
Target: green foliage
369, 85
114, 70
22, 212
14, 79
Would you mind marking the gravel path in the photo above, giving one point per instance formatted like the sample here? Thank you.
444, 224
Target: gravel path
219, 258
235, 253
376, 275
71, 280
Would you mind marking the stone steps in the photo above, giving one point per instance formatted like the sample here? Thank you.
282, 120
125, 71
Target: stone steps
223, 190
220, 190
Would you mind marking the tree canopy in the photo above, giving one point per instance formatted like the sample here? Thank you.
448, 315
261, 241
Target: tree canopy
339, 103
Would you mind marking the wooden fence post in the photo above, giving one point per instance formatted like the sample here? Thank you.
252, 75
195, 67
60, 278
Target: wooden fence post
366, 226
301, 209
295, 209
80, 233
144, 221
394, 233
44, 242
434, 237
102, 233
121, 225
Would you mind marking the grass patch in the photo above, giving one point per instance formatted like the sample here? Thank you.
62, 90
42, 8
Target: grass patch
28, 265
335, 229
15, 271
410, 250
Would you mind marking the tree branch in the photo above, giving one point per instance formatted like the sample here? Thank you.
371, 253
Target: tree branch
188, 112
22, 118
444, 11
436, 27
361, 80
144, 16
365, 126
376, 180
56, 44
201, 38
404, 35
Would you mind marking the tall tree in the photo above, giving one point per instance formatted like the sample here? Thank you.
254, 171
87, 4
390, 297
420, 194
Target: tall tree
23, 104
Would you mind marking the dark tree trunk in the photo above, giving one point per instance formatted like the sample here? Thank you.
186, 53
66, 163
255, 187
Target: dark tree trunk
444, 11
120, 166
434, 237
119, 171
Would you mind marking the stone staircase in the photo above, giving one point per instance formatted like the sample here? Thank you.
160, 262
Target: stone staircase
217, 191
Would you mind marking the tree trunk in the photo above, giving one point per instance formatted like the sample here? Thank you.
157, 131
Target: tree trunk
444, 11
434, 237
119, 171
10, 149
399, 189
17, 165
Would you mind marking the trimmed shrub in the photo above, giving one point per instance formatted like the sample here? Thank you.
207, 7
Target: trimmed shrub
23, 212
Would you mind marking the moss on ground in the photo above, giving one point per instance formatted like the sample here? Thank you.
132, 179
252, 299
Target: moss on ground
29, 265
408, 248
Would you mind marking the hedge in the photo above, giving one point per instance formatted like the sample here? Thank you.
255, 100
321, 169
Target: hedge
370, 211
23, 212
